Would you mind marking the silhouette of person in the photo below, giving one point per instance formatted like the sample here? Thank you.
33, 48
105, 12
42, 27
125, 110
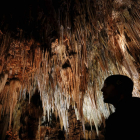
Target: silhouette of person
124, 123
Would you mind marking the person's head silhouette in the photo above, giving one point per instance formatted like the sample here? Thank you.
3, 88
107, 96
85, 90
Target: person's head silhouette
116, 88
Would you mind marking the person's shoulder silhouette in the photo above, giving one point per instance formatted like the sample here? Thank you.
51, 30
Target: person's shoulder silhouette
124, 122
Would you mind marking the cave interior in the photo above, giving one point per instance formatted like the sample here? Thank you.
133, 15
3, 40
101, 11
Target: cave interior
54, 58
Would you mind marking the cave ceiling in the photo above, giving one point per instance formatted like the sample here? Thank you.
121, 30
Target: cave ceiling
65, 49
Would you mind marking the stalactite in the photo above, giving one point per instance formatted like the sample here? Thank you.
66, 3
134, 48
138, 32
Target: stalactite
3, 79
